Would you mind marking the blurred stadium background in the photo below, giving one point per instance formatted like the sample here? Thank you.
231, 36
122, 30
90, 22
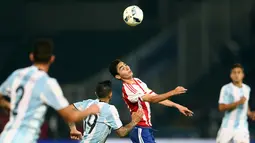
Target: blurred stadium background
181, 42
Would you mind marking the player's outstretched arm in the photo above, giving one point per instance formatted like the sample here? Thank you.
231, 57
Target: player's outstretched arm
231, 106
162, 97
136, 117
4, 103
71, 115
184, 110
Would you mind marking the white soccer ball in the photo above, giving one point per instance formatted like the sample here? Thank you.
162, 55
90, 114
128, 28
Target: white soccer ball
133, 15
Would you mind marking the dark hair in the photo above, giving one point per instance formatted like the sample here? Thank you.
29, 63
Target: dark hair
237, 65
113, 67
103, 89
42, 50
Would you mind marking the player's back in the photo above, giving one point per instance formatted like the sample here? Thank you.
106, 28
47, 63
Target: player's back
29, 90
98, 127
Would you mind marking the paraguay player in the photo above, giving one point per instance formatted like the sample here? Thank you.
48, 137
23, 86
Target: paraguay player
98, 127
137, 95
30, 90
234, 98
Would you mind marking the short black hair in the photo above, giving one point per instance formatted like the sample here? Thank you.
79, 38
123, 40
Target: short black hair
104, 89
113, 67
42, 50
237, 65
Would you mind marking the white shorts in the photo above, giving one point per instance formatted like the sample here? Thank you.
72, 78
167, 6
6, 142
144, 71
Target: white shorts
233, 135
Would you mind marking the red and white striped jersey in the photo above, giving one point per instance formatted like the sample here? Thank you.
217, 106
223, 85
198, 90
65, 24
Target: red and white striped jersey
132, 94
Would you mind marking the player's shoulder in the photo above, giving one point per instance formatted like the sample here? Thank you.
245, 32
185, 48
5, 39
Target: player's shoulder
112, 109
20, 71
247, 86
102, 105
227, 86
50, 81
105, 105
106, 108
90, 101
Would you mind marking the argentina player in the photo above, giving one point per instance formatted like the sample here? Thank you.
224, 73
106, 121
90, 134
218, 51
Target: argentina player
98, 127
30, 90
234, 98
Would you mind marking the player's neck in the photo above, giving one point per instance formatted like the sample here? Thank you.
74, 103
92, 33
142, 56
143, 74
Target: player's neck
43, 67
238, 84
129, 81
104, 100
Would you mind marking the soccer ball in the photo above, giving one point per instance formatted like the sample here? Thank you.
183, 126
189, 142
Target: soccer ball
133, 15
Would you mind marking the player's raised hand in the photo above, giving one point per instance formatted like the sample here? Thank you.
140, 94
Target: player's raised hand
137, 116
75, 135
180, 90
93, 109
184, 110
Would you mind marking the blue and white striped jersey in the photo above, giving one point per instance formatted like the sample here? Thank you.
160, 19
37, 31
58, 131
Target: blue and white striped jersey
98, 127
237, 118
30, 91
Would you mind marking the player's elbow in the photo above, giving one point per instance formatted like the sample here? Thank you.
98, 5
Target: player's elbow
72, 118
149, 98
154, 99
221, 108
121, 132
121, 135
69, 116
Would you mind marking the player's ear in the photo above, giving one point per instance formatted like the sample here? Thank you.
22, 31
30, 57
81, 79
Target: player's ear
110, 94
52, 59
117, 76
31, 57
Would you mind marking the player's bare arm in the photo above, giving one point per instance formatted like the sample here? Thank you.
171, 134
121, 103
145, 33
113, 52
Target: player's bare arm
71, 115
184, 110
136, 117
4, 103
231, 106
251, 114
74, 133
161, 97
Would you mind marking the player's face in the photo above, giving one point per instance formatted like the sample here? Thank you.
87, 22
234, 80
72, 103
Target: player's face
124, 71
237, 75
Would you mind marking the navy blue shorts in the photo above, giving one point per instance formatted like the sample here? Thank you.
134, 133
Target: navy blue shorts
142, 135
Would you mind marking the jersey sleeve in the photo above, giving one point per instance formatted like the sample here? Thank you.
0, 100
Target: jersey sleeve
148, 90
225, 96
114, 119
5, 88
54, 95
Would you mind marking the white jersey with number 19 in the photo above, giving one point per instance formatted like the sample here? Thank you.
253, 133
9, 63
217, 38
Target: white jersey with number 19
30, 91
98, 127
